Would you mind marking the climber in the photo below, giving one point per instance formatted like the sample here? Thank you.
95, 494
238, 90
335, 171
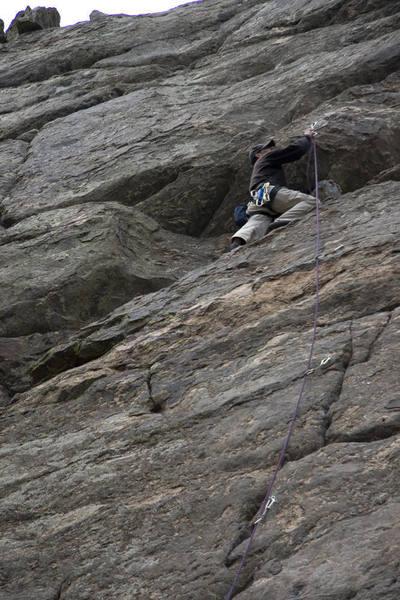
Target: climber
270, 196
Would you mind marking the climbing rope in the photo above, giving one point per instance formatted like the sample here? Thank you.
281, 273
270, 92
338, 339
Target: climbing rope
269, 500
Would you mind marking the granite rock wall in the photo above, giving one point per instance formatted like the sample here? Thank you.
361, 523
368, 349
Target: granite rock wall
147, 375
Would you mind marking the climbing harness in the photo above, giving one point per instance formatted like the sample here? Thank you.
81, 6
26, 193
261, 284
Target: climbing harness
262, 195
268, 499
262, 198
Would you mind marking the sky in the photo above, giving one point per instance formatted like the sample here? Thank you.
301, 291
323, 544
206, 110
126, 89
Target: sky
73, 11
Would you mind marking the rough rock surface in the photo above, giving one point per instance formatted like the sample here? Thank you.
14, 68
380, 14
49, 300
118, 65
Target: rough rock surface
2, 35
148, 377
32, 20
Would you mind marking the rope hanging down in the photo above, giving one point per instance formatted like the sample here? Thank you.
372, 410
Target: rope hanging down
269, 500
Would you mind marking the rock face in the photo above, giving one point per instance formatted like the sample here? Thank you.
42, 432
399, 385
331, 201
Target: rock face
147, 376
2, 36
32, 20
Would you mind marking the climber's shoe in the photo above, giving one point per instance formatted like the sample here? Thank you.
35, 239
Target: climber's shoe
237, 242
235, 245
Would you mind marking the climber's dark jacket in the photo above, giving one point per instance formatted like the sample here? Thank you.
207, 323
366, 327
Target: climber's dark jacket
269, 166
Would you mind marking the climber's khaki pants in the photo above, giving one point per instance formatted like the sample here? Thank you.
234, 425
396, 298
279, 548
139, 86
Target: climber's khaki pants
255, 228
292, 204
289, 203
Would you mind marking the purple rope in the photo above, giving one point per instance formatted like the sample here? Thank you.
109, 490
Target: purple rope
308, 180
295, 412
